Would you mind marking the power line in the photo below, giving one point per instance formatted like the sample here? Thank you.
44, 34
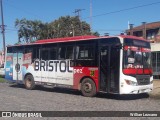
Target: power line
126, 9
77, 12
11, 29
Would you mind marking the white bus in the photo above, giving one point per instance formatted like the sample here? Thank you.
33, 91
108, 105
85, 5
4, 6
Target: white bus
118, 64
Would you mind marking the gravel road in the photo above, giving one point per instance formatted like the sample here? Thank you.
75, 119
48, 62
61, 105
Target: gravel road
13, 98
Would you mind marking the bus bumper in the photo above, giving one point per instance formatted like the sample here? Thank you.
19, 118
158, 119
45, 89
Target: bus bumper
128, 89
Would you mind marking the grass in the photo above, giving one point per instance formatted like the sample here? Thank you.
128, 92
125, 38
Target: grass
2, 80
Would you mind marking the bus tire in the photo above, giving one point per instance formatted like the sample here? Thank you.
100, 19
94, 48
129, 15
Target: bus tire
29, 82
88, 87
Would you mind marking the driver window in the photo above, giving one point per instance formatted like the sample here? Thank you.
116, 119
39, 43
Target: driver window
138, 58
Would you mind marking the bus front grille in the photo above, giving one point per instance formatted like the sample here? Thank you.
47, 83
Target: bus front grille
143, 79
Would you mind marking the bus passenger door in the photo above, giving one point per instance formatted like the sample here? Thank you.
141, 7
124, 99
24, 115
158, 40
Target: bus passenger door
103, 68
109, 69
17, 66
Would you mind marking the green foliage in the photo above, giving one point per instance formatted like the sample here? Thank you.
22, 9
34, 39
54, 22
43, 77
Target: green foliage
2, 80
32, 30
70, 26
96, 34
29, 31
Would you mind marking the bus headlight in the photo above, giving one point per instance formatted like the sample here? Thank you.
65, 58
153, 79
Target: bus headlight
129, 82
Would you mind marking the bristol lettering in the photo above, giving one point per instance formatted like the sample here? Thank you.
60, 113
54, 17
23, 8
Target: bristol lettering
51, 65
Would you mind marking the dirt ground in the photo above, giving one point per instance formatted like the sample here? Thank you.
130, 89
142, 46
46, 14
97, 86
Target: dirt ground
156, 90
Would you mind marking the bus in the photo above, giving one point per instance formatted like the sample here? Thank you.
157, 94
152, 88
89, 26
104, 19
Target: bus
110, 64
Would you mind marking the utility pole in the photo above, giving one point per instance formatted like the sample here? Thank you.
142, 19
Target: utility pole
131, 28
91, 15
3, 28
144, 29
77, 13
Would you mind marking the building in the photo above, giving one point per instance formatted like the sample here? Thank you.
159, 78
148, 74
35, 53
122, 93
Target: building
151, 32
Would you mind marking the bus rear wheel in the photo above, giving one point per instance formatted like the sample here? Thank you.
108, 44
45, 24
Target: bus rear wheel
29, 82
88, 87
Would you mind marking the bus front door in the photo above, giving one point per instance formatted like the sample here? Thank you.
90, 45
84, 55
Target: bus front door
17, 66
109, 69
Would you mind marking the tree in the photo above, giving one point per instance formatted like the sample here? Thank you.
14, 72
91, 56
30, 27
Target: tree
67, 26
28, 30
70, 26
96, 33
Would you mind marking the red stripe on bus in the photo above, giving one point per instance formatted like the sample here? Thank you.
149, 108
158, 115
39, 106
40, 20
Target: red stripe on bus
137, 71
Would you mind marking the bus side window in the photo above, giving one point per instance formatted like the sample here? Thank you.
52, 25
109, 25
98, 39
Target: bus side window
69, 52
27, 50
82, 53
44, 54
66, 52
86, 52
27, 55
85, 55
61, 53
35, 54
53, 54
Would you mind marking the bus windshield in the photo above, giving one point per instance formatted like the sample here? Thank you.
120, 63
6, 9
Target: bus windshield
136, 57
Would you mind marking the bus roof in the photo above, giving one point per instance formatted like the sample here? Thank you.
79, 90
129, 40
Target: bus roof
66, 39
76, 38
58, 40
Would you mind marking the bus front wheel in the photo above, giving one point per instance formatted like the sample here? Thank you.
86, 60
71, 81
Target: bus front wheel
88, 87
29, 82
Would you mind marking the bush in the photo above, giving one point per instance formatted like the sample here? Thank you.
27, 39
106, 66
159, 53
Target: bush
2, 80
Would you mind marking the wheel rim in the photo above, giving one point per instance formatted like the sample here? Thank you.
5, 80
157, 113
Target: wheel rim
28, 83
87, 87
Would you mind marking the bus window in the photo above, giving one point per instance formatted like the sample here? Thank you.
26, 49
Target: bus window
44, 54
85, 55
69, 52
27, 55
66, 52
82, 53
35, 53
85, 52
28, 50
9, 50
52, 53
62, 51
